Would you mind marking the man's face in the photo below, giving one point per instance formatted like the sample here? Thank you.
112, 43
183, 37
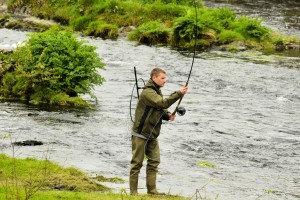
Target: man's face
160, 79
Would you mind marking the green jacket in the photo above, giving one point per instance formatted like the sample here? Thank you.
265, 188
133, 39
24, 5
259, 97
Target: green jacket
152, 109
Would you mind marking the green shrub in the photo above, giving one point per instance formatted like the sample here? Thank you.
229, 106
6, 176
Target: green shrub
163, 11
251, 28
8, 81
150, 33
179, 2
98, 9
5, 16
184, 28
279, 39
54, 65
67, 13
223, 17
228, 36
90, 3
81, 23
102, 29
114, 6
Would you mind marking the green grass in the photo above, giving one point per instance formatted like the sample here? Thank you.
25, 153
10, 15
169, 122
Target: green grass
54, 195
34, 179
67, 195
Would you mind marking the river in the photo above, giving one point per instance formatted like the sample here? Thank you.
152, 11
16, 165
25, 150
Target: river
243, 115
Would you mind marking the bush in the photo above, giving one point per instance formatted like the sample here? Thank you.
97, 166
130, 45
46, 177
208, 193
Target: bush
223, 17
163, 11
184, 29
228, 36
81, 23
251, 28
55, 62
150, 33
102, 29
179, 2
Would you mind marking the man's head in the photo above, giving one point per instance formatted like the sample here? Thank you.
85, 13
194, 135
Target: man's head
159, 76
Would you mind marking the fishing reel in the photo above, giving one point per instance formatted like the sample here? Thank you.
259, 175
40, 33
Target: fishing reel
181, 111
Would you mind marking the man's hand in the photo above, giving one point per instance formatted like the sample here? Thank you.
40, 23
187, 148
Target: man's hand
184, 89
171, 117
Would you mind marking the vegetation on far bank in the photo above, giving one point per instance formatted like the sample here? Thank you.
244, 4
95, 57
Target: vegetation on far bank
53, 68
34, 179
164, 22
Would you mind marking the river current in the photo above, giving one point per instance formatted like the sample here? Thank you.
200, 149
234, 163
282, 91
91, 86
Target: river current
243, 116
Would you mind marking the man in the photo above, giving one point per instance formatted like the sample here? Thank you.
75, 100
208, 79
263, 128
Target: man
150, 111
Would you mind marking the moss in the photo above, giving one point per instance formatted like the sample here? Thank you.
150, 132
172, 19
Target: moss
206, 164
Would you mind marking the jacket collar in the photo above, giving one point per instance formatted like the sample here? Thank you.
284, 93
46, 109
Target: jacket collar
153, 85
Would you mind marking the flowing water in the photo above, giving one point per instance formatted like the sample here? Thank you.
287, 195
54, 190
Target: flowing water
243, 115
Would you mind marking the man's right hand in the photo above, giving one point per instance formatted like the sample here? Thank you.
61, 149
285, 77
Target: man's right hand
184, 89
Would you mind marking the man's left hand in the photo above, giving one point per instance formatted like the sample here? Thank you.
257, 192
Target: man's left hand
172, 117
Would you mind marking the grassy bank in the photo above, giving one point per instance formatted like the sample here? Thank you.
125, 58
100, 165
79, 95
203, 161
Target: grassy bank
164, 22
44, 180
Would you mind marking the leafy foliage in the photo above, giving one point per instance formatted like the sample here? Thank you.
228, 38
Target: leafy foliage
183, 30
228, 36
81, 23
251, 28
53, 67
222, 22
179, 2
150, 33
163, 11
102, 29
223, 17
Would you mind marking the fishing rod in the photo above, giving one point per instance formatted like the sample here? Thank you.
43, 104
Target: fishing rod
136, 83
137, 90
181, 110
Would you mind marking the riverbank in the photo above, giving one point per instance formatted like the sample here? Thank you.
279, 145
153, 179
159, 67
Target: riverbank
22, 20
42, 179
159, 24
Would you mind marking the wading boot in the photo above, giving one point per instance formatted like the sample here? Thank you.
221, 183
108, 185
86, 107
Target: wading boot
151, 185
133, 185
